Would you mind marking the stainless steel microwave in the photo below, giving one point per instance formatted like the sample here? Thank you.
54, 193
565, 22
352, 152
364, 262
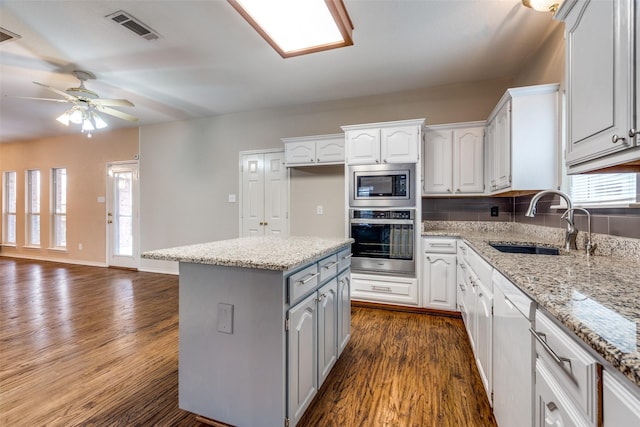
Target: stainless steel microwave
388, 185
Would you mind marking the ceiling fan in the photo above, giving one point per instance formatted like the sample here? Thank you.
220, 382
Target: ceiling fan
86, 105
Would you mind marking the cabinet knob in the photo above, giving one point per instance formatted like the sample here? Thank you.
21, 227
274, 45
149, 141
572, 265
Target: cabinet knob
616, 138
312, 160
633, 132
448, 190
457, 190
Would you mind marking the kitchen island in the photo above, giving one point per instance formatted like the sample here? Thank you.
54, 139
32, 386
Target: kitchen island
262, 322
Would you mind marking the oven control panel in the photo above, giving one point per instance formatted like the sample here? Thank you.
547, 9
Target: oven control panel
382, 214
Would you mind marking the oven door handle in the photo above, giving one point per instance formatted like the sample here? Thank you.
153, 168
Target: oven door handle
382, 221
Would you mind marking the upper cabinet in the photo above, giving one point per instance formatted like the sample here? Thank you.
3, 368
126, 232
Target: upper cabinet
454, 159
522, 138
602, 129
389, 142
314, 150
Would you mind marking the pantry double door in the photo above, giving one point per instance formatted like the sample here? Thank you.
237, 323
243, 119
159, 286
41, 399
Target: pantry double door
264, 198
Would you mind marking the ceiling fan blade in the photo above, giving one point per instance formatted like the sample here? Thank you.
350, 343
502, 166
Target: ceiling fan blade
117, 113
112, 102
40, 99
59, 92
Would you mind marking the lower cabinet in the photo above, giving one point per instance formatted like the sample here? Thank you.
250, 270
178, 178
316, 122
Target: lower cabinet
621, 406
439, 273
319, 328
553, 406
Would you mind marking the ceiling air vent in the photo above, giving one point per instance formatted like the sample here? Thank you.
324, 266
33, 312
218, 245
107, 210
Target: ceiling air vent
6, 35
126, 20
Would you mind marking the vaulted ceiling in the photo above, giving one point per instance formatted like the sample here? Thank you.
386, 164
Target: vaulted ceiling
208, 61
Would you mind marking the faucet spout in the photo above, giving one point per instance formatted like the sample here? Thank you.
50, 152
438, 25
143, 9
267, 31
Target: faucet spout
570, 235
590, 246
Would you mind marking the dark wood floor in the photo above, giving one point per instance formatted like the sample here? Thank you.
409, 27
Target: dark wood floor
99, 347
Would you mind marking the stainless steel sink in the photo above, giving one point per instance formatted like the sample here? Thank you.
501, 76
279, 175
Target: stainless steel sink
525, 249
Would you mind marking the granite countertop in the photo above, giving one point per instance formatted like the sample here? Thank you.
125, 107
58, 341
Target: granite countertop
597, 297
267, 253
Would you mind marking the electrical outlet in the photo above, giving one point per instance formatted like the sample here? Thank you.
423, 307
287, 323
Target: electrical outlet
225, 318
495, 210
319, 209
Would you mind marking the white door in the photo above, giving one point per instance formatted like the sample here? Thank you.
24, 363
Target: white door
438, 162
264, 195
122, 215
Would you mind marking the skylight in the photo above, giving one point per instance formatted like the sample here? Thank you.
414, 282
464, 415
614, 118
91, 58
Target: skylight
298, 27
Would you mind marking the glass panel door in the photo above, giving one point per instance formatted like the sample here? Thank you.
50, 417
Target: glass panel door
122, 215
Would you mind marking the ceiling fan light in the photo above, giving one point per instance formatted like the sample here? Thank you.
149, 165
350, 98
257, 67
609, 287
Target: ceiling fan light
542, 5
86, 125
76, 116
97, 120
64, 118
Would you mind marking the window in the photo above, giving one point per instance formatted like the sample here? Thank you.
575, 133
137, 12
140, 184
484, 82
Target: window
9, 208
59, 207
604, 190
33, 207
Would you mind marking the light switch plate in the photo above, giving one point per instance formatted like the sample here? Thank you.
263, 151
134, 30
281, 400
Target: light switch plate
225, 318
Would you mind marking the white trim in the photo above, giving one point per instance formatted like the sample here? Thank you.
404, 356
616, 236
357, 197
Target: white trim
159, 271
60, 260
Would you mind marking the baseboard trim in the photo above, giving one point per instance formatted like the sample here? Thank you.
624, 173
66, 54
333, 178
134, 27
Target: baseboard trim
407, 309
60, 260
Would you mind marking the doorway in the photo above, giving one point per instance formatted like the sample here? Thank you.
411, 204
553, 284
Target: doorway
122, 215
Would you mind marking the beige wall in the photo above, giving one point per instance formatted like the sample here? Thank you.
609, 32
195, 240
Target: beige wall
189, 168
85, 160
546, 65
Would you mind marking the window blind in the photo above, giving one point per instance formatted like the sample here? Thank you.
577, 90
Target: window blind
603, 189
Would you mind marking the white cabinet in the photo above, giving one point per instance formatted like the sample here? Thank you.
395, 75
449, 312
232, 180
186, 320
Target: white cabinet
386, 289
439, 273
621, 406
389, 142
454, 159
314, 150
567, 367
601, 75
264, 194
522, 138
553, 406
478, 304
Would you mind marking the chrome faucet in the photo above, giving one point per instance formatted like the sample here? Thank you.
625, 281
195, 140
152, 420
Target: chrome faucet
570, 235
590, 247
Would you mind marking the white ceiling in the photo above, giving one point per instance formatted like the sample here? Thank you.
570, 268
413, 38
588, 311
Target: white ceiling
209, 61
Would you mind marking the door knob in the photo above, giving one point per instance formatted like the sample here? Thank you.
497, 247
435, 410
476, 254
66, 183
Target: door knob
633, 132
616, 138
109, 222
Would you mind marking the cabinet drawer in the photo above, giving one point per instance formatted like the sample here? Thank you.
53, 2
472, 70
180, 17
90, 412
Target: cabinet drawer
480, 267
328, 267
344, 259
552, 405
575, 369
303, 282
391, 290
439, 245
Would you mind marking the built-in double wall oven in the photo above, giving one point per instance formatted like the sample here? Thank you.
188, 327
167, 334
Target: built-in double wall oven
382, 218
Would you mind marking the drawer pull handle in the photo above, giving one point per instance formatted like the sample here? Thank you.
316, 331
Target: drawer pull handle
559, 360
381, 288
308, 279
328, 266
442, 245
347, 256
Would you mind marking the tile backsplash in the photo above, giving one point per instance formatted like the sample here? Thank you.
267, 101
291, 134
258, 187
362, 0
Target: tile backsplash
623, 222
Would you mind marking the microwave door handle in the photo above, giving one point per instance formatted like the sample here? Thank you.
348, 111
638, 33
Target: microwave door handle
381, 221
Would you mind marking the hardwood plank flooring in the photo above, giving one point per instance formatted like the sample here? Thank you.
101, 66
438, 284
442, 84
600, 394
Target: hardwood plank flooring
96, 346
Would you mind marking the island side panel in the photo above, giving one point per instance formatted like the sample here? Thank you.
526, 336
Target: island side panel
236, 378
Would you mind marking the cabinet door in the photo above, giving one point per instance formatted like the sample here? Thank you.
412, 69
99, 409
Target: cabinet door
468, 160
344, 310
363, 146
302, 356
553, 407
620, 406
438, 158
489, 158
439, 281
501, 156
300, 153
484, 337
327, 329
600, 92
252, 195
400, 144
330, 151
275, 200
